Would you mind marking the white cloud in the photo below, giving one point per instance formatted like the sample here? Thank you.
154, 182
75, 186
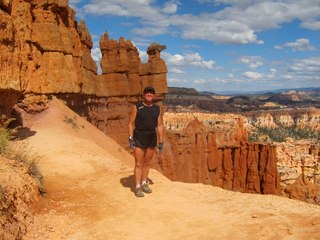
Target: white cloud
199, 81
129, 8
265, 14
170, 7
150, 31
143, 56
96, 54
251, 61
311, 24
230, 76
237, 23
306, 66
220, 80
299, 45
176, 80
253, 75
209, 64
175, 70
206, 27
189, 59
294, 72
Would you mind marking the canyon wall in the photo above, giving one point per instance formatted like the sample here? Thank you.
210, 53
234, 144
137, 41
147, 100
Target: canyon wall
301, 118
45, 51
214, 149
299, 167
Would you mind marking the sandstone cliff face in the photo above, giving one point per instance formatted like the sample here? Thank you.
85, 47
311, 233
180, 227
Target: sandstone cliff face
301, 118
123, 73
214, 149
299, 168
41, 51
45, 51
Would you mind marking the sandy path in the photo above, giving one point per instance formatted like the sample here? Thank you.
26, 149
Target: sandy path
89, 182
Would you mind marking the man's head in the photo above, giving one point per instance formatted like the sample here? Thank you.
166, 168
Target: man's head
149, 94
149, 89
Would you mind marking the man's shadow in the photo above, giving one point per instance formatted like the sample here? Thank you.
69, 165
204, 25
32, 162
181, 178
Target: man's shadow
129, 182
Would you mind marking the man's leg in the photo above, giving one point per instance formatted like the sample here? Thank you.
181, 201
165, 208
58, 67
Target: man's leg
146, 163
139, 158
145, 169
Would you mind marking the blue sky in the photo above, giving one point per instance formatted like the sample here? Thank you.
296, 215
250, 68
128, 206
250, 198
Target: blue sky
217, 45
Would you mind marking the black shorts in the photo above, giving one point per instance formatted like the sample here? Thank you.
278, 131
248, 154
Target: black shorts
145, 139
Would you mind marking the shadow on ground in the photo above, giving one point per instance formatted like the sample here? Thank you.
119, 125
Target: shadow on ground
24, 132
129, 182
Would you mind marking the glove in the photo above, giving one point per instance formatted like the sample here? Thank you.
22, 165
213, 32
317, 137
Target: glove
160, 147
132, 143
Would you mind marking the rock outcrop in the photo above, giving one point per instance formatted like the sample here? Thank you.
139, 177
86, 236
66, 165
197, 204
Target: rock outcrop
300, 118
299, 168
297, 156
41, 51
123, 73
214, 149
45, 51
304, 190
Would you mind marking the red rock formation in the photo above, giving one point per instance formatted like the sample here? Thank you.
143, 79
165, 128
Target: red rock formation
122, 72
42, 51
221, 158
45, 51
304, 190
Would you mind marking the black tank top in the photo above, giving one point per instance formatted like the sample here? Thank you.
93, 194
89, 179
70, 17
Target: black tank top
147, 117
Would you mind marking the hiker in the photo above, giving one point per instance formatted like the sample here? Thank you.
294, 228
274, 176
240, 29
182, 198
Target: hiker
145, 126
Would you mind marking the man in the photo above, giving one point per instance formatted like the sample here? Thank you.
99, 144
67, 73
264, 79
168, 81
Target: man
145, 126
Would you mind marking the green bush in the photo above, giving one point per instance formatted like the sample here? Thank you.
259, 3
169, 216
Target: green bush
71, 121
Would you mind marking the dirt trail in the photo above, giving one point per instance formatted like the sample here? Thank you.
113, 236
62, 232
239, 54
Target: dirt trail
89, 182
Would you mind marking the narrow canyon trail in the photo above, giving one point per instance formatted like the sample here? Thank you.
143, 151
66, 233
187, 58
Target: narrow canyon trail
89, 194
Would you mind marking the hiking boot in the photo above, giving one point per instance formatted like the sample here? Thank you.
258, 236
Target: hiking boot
145, 188
139, 192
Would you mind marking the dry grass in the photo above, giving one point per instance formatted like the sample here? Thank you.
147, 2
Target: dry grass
28, 158
6, 134
19, 152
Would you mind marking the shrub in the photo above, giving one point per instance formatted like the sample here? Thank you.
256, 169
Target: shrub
71, 121
6, 134
24, 155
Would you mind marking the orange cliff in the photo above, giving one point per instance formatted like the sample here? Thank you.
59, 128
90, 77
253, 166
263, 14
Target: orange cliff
214, 149
45, 51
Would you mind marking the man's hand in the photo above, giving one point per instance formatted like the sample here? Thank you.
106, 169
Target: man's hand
132, 143
160, 147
